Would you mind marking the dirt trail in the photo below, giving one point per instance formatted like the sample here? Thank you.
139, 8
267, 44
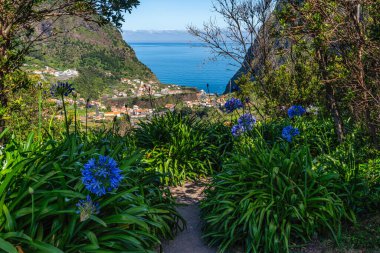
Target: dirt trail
190, 240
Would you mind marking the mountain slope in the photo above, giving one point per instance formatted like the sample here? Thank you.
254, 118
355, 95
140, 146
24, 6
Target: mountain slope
99, 54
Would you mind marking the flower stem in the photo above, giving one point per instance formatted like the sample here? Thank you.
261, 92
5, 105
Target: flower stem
64, 110
39, 113
32, 210
87, 101
75, 115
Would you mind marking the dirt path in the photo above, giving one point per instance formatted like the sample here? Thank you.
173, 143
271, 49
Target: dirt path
190, 240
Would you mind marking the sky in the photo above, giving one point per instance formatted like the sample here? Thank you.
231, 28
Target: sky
168, 14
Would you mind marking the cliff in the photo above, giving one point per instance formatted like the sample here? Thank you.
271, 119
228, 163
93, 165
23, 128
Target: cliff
99, 54
255, 56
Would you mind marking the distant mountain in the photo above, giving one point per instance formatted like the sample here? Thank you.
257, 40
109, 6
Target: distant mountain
99, 54
153, 36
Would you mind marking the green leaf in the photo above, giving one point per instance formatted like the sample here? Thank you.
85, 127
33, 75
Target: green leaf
93, 239
98, 220
45, 247
7, 247
10, 223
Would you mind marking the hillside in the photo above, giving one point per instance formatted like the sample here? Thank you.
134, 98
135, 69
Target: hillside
99, 54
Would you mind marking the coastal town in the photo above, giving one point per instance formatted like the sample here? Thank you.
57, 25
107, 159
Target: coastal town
103, 111
135, 99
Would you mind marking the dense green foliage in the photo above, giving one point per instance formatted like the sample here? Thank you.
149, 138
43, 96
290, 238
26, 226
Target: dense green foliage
41, 185
276, 182
182, 147
323, 53
265, 195
272, 195
335, 40
267, 198
359, 177
356, 161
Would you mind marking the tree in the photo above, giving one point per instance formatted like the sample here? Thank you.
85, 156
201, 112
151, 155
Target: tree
342, 43
252, 39
310, 21
245, 39
18, 33
360, 51
309, 51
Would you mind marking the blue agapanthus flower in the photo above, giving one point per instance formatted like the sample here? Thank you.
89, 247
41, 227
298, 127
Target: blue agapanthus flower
237, 130
296, 110
289, 132
246, 121
101, 176
86, 208
60, 89
233, 104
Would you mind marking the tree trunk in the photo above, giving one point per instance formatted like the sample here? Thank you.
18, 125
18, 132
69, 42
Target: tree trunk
366, 98
3, 100
330, 95
361, 77
333, 108
4, 45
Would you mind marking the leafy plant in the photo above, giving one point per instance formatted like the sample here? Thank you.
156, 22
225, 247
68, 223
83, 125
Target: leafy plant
181, 147
316, 132
41, 186
267, 198
359, 181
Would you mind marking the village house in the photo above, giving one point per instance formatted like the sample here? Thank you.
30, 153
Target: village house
66, 73
112, 115
170, 107
165, 91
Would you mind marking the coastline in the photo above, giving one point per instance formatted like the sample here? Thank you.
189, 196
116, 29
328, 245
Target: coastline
185, 64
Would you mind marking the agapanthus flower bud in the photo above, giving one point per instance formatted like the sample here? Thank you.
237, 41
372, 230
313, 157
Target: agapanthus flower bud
86, 208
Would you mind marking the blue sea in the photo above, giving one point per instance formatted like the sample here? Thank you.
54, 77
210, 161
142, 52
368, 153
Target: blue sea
187, 64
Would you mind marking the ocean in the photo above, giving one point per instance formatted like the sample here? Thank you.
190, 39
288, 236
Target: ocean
187, 64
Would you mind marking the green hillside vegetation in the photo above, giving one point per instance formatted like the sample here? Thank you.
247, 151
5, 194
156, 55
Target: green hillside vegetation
100, 55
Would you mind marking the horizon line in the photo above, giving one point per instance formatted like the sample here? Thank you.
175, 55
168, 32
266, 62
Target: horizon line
153, 30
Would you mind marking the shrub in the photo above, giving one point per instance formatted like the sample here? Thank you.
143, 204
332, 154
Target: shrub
354, 160
182, 147
359, 177
267, 198
41, 191
315, 131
